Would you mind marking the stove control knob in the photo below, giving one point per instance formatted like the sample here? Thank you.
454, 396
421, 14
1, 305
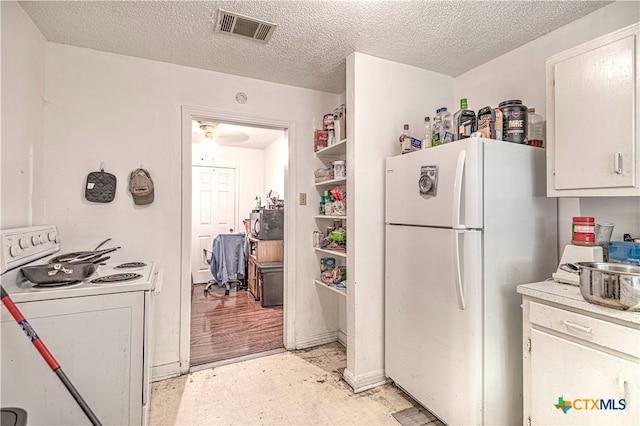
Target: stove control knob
15, 251
35, 240
24, 242
52, 237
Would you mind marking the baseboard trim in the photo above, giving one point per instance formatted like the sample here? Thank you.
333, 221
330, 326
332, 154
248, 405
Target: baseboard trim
249, 357
316, 340
342, 338
365, 381
165, 371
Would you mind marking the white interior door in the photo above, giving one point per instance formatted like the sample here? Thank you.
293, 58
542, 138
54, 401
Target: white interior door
213, 212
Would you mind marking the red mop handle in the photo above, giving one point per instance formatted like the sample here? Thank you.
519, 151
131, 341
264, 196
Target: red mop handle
29, 331
53, 364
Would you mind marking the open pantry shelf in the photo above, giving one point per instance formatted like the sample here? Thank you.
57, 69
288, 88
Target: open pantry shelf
338, 181
337, 149
322, 216
332, 252
330, 287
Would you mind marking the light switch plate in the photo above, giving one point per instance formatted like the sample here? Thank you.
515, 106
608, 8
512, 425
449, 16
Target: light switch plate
303, 198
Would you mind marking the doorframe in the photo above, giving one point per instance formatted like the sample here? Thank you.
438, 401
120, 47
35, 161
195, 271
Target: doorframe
190, 113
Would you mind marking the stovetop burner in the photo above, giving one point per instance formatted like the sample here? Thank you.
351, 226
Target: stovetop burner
55, 285
116, 278
131, 265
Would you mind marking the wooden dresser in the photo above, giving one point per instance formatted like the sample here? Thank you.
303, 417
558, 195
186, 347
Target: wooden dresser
262, 251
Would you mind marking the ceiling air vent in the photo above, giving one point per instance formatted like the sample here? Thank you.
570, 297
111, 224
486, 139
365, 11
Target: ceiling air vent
244, 26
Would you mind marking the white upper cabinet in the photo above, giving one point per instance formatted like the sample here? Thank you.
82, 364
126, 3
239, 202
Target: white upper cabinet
593, 146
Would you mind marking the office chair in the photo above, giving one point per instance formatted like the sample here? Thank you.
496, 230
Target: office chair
228, 261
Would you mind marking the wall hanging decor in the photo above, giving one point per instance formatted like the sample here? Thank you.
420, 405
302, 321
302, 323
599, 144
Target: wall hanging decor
100, 186
141, 186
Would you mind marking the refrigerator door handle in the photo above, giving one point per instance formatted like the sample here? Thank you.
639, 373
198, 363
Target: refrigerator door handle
457, 190
457, 281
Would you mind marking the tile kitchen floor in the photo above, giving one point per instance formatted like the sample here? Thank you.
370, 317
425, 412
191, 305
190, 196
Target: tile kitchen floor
290, 388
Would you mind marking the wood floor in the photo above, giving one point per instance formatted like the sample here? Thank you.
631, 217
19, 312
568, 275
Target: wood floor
225, 327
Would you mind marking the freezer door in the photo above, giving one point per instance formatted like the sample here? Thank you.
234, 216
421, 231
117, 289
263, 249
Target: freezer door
433, 321
440, 186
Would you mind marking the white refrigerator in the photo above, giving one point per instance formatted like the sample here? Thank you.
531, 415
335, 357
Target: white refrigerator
466, 222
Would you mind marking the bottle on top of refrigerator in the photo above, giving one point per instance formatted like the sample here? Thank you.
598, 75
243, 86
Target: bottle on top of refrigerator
487, 122
443, 127
464, 121
426, 142
498, 124
433, 127
535, 131
514, 121
447, 124
405, 140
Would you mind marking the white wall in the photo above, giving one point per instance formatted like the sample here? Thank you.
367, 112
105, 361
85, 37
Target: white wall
125, 112
520, 74
250, 165
381, 97
275, 160
23, 75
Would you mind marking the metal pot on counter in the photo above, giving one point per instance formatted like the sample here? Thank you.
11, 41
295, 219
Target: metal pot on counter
614, 285
51, 273
67, 268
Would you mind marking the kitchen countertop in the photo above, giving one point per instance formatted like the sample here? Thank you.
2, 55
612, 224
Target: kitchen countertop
569, 295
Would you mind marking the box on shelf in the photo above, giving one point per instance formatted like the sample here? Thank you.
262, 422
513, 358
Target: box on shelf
323, 174
321, 139
327, 122
327, 263
340, 129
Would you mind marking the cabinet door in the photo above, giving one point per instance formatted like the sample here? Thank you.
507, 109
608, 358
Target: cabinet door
592, 118
595, 387
98, 341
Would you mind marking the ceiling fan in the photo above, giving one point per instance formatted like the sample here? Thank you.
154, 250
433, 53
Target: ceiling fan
209, 129
219, 131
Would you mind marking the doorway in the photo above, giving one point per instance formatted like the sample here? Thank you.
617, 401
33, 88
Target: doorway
232, 165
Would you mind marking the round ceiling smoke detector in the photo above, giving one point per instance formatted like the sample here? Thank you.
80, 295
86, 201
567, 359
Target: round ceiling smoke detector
241, 98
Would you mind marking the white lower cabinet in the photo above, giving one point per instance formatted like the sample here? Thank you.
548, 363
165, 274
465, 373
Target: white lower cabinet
581, 367
99, 341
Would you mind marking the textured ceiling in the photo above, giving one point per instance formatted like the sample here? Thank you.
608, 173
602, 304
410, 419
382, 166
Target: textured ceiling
313, 38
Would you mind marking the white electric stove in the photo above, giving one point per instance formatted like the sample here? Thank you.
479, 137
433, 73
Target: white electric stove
98, 329
109, 278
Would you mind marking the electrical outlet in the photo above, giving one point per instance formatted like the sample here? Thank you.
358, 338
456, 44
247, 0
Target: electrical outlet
303, 198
